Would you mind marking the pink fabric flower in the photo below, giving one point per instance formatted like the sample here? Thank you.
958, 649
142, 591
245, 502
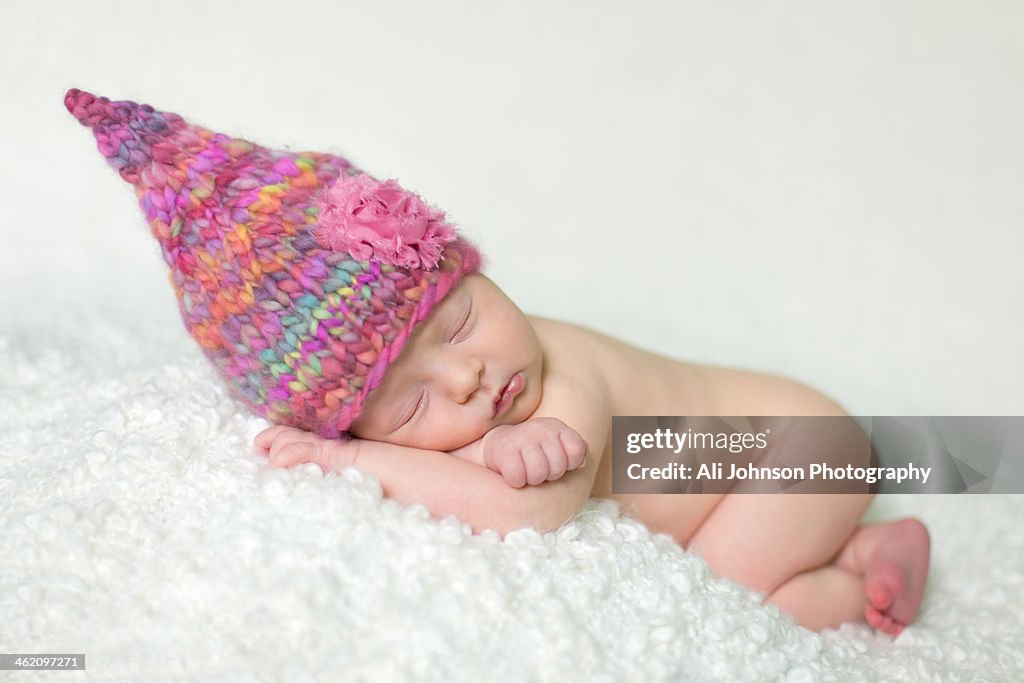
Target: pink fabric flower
373, 219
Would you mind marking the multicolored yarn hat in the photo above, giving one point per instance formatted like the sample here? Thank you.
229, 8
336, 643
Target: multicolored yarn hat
301, 277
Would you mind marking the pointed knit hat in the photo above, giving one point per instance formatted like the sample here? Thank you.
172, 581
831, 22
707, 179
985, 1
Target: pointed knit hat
300, 276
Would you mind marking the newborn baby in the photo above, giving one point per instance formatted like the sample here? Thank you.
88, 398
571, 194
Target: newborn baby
335, 306
524, 404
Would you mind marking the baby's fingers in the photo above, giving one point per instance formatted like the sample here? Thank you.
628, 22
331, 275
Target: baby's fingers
267, 437
514, 472
537, 466
287, 446
575, 448
558, 463
295, 454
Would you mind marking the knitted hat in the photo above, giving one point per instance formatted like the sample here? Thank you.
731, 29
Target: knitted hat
300, 277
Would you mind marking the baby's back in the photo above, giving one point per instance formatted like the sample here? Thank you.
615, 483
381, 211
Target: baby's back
640, 382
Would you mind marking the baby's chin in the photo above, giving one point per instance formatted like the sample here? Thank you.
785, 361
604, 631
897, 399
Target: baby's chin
464, 441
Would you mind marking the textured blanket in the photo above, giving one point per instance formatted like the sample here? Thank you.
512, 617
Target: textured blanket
140, 529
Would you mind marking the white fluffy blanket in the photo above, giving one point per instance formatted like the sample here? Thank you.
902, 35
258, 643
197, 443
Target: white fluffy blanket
829, 191
139, 529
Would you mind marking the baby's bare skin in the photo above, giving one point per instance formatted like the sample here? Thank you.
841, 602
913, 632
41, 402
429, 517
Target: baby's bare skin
812, 559
439, 399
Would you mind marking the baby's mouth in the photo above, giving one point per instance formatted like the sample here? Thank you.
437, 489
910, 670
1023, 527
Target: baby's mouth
508, 393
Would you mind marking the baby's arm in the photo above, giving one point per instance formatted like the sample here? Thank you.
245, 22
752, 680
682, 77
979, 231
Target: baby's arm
454, 486
441, 483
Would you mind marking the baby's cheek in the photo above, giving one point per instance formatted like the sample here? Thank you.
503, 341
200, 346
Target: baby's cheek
454, 433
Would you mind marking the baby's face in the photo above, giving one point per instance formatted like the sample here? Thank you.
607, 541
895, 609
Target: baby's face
442, 391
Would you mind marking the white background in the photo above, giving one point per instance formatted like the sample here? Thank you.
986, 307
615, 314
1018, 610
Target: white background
831, 191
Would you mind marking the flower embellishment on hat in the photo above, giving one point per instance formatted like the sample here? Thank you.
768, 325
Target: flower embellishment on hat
379, 220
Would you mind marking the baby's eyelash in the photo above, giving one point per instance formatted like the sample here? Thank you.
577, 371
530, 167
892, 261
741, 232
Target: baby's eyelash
419, 404
462, 323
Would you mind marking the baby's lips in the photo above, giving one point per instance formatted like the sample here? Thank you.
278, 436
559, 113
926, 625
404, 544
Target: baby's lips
509, 392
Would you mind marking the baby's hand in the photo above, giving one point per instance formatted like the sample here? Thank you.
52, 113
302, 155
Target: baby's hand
535, 451
287, 446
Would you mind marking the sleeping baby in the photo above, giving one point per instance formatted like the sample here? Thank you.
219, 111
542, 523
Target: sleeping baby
349, 312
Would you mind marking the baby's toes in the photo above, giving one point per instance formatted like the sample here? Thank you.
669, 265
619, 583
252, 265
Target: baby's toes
873, 616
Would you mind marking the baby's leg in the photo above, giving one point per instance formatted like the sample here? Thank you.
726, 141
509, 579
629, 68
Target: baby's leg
787, 549
821, 598
762, 541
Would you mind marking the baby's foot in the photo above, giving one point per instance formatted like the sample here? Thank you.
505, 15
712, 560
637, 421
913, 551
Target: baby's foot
894, 576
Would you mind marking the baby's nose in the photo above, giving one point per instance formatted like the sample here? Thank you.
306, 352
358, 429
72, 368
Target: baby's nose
462, 377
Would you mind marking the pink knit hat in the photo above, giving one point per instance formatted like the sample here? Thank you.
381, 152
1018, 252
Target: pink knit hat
300, 277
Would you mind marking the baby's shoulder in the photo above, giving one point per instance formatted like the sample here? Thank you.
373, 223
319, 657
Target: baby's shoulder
566, 342
571, 349
558, 331
742, 392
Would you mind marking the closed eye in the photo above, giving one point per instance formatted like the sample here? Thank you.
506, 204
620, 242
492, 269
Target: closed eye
420, 406
460, 331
